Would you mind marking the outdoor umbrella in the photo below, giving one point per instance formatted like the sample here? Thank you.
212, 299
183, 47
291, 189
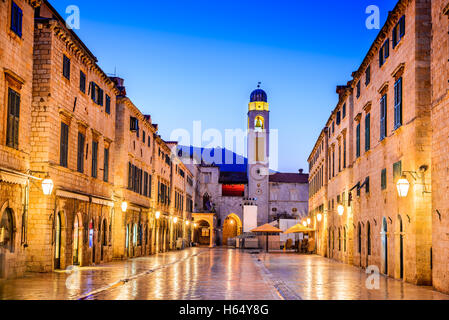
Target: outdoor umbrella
299, 228
266, 229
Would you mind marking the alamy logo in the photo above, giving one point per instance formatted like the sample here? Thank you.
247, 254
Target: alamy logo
73, 20
373, 20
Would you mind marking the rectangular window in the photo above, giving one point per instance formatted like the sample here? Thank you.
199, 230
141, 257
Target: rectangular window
80, 156
358, 89
143, 136
64, 145
16, 19
66, 67
398, 103
399, 32
344, 152
383, 117
106, 165
96, 93
397, 170
82, 82
149, 185
133, 124
339, 158
149, 140
95, 159
368, 76
383, 179
384, 52
338, 118
344, 111
145, 184
13, 121
368, 132
108, 104
357, 153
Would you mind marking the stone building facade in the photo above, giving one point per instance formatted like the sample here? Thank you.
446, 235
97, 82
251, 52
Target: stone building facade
16, 80
380, 132
440, 144
133, 224
72, 138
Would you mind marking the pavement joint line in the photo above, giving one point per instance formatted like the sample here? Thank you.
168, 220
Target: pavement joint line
121, 282
282, 289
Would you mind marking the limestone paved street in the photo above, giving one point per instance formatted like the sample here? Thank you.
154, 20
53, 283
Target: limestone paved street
214, 274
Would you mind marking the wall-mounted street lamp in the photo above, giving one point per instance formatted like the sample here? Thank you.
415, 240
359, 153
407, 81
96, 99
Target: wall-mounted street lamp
175, 220
319, 217
309, 221
403, 185
304, 223
47, 186
195, 225
124, 206
340, 209
187, 222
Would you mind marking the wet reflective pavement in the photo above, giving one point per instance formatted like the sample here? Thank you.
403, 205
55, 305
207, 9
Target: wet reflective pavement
317, 278
211, 274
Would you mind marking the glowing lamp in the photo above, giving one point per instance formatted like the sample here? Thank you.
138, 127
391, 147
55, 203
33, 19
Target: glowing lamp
304, 223
319, 217
309, 221
187, 222
403, 187
47, 186
124, 206
175, 220
157, 215
340, 210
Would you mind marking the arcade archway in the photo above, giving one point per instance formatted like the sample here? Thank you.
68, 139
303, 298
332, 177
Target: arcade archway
232, 227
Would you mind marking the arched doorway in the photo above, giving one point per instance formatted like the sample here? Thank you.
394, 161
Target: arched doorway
203, 233
92, 238
57, 257
104, 238
401, 248
385, 245
76, 240
7, 230
232, 227
127, 239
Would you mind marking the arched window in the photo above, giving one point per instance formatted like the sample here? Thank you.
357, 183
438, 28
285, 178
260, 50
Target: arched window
368, 238
339, 239
105, 233
206, 202
7, 230
259, 123
135, 234
360, 238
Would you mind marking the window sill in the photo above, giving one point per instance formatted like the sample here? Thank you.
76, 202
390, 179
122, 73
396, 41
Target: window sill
15, 36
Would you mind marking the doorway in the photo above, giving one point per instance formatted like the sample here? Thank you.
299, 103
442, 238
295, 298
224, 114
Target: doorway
385, 245
76, 241
57, 258
401, 248
104, 238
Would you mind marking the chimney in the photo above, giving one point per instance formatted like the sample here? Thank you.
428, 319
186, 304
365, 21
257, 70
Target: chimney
120, 84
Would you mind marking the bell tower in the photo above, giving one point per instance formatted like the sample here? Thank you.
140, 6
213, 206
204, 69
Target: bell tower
258, 152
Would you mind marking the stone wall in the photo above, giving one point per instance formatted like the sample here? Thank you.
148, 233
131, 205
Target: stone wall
440, 145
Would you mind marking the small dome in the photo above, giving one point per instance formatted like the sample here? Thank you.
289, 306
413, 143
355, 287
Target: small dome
259, 95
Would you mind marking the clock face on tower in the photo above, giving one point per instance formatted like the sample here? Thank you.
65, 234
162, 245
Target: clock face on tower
259, 172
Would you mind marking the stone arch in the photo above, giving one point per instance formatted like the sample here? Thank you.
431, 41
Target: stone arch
8, 223
203, 232
77, 238
232, 227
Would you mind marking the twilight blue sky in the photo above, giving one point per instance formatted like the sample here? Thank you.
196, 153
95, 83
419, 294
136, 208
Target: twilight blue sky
188, 60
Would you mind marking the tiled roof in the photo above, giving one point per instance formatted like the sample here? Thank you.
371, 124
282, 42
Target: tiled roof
289, 178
